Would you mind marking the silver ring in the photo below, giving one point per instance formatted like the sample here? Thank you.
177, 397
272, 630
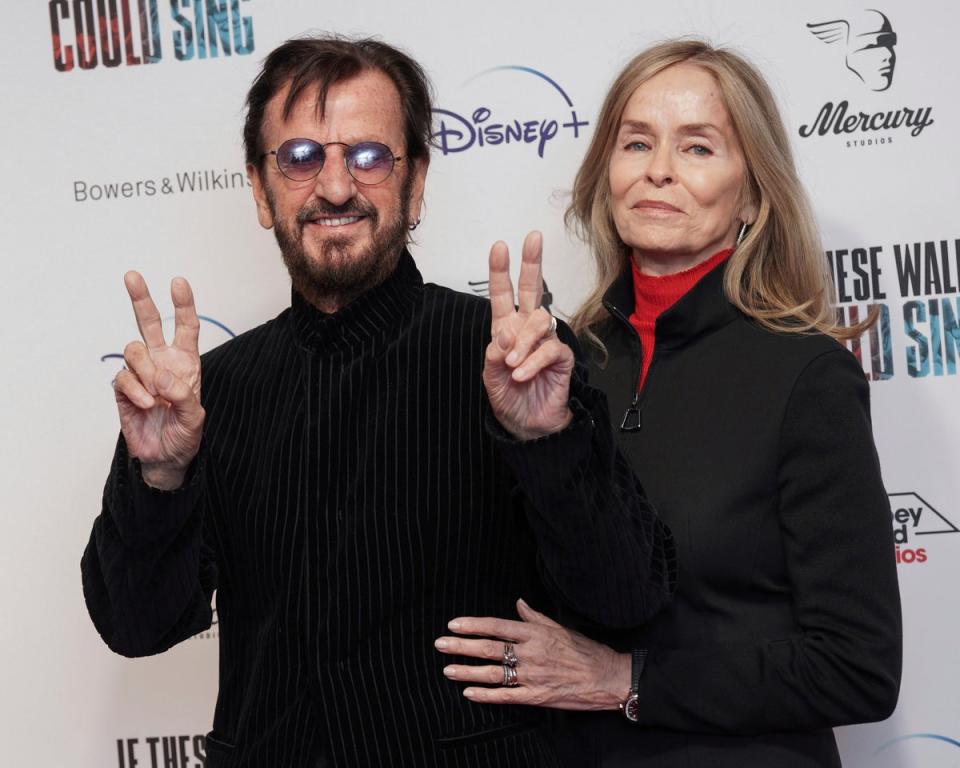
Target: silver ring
553, 326
510, 655
510, 676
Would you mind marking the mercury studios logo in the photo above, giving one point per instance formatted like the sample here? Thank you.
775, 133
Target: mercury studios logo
548, 110
111, 33
865, 46
914, 517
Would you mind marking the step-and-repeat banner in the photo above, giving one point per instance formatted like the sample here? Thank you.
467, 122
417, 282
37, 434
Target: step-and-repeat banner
121, 149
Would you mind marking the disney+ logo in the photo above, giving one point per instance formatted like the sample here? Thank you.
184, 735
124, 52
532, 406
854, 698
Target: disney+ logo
482, 128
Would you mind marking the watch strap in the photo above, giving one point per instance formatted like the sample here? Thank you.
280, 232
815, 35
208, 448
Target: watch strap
639, 661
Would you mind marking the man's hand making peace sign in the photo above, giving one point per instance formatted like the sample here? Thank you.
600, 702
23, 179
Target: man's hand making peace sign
158, 393
527, 368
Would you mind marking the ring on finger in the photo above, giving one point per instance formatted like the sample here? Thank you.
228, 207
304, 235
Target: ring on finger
553, 326
510, 679
510, 655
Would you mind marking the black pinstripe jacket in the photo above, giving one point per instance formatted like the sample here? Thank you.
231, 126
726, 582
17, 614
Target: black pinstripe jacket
350, 498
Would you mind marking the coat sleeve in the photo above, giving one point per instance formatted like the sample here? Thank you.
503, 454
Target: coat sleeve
602, 549
148, 570
843, 664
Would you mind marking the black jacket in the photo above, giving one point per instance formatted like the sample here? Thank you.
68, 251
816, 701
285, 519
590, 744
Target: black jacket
347, 503
756, 449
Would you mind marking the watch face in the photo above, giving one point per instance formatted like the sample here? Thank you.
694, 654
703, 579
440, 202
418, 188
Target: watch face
631, 709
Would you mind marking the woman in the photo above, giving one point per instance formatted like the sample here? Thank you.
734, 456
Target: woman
715, 341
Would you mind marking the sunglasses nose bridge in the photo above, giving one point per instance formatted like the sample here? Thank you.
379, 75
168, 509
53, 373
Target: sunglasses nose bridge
334, 182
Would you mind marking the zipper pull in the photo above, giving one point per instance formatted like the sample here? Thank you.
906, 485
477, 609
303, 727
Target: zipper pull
632, 420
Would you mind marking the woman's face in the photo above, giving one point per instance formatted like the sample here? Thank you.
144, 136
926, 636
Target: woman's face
677, 176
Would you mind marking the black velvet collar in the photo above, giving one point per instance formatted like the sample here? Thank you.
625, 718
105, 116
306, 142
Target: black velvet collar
373, 314
703, 309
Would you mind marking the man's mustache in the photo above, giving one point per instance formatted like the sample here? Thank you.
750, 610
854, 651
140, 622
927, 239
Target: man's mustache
352, 207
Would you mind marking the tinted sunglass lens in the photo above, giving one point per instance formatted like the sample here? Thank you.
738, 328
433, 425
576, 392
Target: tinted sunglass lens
370, 162
300, 159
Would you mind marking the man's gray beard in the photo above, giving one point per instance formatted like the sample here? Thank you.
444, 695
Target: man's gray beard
336, 278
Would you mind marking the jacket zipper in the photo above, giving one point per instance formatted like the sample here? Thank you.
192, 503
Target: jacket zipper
633, 417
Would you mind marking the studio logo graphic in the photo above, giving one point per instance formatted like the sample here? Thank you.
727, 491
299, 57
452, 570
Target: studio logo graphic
868, 41
92, 33
487, 127
913, 517
865, 45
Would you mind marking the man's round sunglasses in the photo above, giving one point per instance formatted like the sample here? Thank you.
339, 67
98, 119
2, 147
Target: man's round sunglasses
369, 162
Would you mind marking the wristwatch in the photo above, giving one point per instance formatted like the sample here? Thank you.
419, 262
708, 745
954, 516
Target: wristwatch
631, 705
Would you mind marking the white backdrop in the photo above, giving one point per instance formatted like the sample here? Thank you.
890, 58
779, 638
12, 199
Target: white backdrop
76, 143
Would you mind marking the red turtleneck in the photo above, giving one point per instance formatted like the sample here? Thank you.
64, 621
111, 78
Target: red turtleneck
655, 294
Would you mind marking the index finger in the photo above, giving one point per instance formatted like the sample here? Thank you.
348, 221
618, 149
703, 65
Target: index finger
148, 317
186, 334
501, 288
504, 629
530, 284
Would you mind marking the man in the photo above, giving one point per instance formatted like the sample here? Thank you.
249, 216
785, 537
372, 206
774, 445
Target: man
343, 486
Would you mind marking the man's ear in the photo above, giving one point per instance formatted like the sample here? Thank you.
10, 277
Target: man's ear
264, 214
419, 171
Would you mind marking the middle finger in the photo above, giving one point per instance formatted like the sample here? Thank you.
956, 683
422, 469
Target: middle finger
530, 282
478, 649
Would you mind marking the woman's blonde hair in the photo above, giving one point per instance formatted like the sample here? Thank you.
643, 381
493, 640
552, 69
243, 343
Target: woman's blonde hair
778, 274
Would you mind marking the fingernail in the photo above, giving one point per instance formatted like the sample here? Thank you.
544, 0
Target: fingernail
519, 374
165, 379
469, 693
454, 625
441, 643
450, 671
523, 602
512, 359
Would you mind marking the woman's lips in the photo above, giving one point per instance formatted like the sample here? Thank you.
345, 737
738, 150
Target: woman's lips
656, 206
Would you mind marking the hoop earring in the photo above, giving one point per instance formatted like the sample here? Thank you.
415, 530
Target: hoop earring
742, 232
414, 224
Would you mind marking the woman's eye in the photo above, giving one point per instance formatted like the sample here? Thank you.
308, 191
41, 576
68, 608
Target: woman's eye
637, 146
699, 149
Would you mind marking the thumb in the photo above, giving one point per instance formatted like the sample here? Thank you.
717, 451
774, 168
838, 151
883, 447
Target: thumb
533, 617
